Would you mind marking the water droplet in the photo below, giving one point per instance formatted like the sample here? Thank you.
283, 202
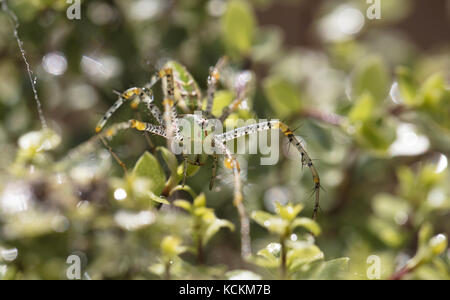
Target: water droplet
396, 97
102, 68
343, 23
60, 224
16, 197
134, 221
436, 197
60, 178
276, 194
9, 254
54, 63
401, 218
274, 248
120, 194
409, 142
101, 13
145, 9
442, 164
245, 275
3, 269
216, 8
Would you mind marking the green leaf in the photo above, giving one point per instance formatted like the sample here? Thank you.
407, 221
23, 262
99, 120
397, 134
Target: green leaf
298, 257
200, 201
148, 167
169, 158
157, 269
221, 100
186, 205
372, 77
206, 214
429, 248
407, 85
191, 170
171, 247
214, 227
185, 188
157, 199
363, 110
438, 244
187, 92
374, 136
43, 140
433, 91
387, 231
283, 97
35, 142
268, 45
289, 211
425, 233
389, 207
238, 27
332, 268
326, 270
268, 257
307, 223
272, 223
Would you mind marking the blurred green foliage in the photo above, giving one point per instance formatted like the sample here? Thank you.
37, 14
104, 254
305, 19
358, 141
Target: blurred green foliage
374, 111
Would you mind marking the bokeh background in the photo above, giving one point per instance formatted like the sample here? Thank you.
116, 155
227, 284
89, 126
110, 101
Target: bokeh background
370, 99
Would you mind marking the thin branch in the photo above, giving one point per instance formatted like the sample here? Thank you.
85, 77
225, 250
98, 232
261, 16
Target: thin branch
328, 118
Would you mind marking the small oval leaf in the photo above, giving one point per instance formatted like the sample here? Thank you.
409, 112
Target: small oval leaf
148, 166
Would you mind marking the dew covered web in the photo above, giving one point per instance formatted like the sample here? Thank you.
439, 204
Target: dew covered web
31, 76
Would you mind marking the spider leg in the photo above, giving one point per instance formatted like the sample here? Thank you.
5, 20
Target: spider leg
147, 97
170, 112
147, 127
114, 155
128, 95
213, 79
241, 92
109, 133
146, 134
227, 111
269, 125
132, 124
231, 163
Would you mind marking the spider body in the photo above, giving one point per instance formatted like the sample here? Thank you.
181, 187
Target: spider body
195, 128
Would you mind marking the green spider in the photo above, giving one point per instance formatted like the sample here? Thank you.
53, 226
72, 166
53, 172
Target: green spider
181, 93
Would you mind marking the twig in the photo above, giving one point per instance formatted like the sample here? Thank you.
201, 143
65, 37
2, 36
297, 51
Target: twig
401, 273
328, 118
283, 266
